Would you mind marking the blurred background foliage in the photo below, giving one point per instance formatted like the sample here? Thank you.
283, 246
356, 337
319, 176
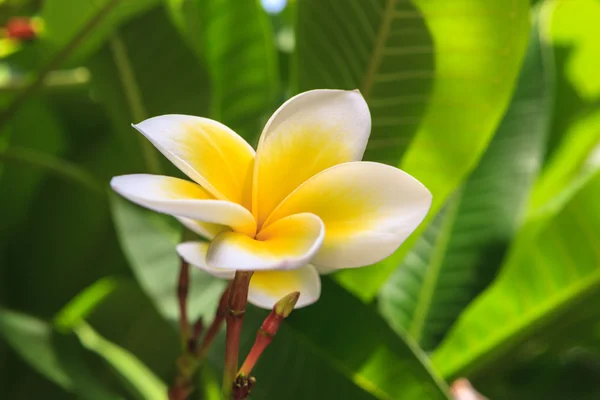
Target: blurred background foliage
493, 104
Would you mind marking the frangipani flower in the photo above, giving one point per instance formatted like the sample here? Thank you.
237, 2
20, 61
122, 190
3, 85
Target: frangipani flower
303, 204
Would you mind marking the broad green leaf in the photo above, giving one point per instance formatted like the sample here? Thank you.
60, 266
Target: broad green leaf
437, 75
34, 127
65, 19
148, 240
236, 43
461, 250
561, 358
32, 339
136, 374
547, 275
135, 81
574, 35
66, 236
58, 357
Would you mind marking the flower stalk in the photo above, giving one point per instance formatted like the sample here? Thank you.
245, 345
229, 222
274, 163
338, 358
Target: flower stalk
238, 298
216, 324
192, 355
186, 363
268, 330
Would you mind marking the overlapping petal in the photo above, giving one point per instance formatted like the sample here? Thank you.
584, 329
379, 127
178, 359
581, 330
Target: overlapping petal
207, 151
309, 133
194, 253
204, 229
182, 198
267, 287
368, 210
288, 243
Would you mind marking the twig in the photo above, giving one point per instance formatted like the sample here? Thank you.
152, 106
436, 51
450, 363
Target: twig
182, 294
238, 297
216, 324
268, 330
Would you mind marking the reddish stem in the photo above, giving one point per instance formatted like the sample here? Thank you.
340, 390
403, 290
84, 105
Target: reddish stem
238, 297
182, 293
215, 326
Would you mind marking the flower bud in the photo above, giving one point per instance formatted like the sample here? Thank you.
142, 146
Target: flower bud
285, 306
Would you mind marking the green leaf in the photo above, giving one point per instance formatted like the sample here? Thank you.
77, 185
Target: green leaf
58, 357
64, 20
135, 81
148, 240
551, 269
236, 43
437, 75
459, 253
144, 382
32, 339
574, 35
34, 127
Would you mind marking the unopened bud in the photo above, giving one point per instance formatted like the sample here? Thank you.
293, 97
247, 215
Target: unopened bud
285, 306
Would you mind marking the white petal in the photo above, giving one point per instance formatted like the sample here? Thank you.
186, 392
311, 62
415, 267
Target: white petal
207, 151
194, 253
204, 229
309, 133
286, 244
181, 198
268, 287
368, 210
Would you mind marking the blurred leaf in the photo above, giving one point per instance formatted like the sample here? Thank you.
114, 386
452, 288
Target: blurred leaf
461, 250
144, 382
148, 240
34, 127
547, 274
574, 23
135, 81
235, 41
57, 357
64, 19
32, 339
574, 34
66, 236
437, 75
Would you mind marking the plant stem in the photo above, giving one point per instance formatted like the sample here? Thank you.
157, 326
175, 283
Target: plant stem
186, 364
268, 330
216, 324
182, 293
238, 297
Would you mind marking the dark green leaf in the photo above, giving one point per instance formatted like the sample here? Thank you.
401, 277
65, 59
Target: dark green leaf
236, 43
551, 269
459, 253
135, 81
64, 20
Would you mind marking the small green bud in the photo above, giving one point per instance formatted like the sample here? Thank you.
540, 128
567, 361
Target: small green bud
285, 306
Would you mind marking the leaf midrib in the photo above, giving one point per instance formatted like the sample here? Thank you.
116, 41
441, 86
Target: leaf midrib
506, 337
433, 273
375, 60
